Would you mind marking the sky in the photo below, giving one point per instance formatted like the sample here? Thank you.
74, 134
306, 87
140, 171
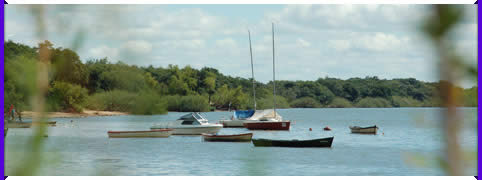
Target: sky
311, 41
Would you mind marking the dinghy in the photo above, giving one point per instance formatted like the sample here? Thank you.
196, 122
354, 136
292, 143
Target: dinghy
364, 130
228, 138
157, 133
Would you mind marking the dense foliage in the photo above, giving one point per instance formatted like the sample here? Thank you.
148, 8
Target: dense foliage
101, 85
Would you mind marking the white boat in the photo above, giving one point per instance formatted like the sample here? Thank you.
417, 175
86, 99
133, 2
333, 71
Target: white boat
238, 118
157, 133
190, 124
364, 130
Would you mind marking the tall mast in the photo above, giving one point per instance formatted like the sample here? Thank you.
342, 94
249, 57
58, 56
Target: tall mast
274, 75
252, 70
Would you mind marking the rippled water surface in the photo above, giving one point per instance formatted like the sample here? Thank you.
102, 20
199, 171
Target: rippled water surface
82, 147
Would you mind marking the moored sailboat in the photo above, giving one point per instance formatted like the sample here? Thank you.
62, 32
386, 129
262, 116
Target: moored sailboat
268, 119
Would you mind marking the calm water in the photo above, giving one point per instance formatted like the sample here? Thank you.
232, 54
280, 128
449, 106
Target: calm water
82, 147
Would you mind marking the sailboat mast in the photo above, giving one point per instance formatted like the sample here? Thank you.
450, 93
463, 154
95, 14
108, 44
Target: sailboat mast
274, 75
252, 70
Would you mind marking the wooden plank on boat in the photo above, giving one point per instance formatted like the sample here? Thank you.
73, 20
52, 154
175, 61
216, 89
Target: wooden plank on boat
228, 138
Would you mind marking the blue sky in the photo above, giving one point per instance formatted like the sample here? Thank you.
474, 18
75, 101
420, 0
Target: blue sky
312, 41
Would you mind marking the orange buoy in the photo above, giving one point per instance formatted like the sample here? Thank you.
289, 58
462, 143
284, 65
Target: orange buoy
327, 128
311, 129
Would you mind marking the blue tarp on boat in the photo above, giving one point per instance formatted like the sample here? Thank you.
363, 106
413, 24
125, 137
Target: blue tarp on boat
243, 114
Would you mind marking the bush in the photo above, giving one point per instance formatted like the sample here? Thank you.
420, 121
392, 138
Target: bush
144, 102
116, 100
398, 101
148, 103
370, 102
339, 102
305, 102
173, 102
193, 103
64, 96
267, 103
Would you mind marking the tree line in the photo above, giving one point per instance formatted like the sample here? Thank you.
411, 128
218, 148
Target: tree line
99, 84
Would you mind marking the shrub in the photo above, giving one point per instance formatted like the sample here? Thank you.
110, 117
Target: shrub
67, 97
193, 103
339, 102
398, 101
173, 102
267, 103
144, 102
305, 102
370, 102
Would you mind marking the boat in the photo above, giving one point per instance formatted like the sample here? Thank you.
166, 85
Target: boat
190, 124
364, 130
268, 119
323, 142
228, 138
28, 124
157, 133
327, 128
240, 116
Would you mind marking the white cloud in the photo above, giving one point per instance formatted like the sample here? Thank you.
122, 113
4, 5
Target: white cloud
302, 43
104, 51
137, 47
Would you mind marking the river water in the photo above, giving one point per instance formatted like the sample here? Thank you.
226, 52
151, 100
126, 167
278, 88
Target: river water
410, 142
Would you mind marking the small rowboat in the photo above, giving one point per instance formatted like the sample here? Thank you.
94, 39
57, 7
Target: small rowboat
364, 130
228, 138
324, 142
157, 133
29, 124
327, 128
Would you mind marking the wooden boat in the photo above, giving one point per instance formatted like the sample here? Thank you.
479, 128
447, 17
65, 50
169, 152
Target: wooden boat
28, 124
327, 128
323, 142
364, 130
228, 138
157, 133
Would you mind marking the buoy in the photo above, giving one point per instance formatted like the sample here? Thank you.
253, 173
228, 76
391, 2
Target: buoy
311, 129
327, 128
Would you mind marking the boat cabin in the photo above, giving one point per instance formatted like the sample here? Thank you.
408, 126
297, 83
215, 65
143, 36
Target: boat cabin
193, 119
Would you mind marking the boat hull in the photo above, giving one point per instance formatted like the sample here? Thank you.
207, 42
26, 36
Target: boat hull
268, 125
195, 130
140, 134
28, 124
228, 138
324, 142
233, 123
364, 130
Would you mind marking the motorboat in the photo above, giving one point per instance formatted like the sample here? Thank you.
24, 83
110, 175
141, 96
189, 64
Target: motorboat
190, 124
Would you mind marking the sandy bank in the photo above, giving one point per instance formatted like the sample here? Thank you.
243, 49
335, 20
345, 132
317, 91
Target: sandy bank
86, 113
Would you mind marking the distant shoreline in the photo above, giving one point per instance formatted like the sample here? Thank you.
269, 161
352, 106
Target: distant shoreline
85, 113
